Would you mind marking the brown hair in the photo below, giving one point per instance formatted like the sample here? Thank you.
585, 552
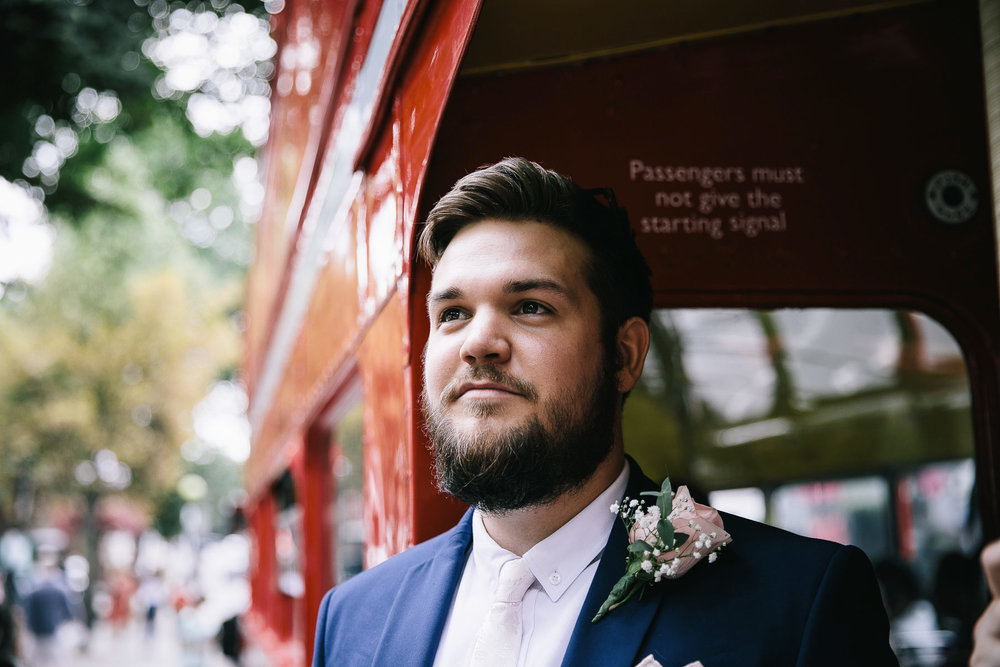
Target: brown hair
516, 189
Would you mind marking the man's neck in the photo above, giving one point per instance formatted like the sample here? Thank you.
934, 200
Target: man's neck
519, 530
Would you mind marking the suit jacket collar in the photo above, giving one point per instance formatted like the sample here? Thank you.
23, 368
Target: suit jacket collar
425, 594
614, 640
416, 620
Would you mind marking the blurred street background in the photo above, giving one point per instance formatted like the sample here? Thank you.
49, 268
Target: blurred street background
107, 647
128, 197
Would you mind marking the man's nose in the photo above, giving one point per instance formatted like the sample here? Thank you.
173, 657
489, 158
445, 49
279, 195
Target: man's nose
486, 339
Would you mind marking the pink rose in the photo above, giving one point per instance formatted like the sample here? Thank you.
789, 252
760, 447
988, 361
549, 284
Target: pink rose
663, 547
700, 523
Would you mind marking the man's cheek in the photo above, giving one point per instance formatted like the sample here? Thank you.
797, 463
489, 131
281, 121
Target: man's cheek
435, 376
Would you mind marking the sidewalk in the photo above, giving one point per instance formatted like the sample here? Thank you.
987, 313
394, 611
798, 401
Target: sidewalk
130, 647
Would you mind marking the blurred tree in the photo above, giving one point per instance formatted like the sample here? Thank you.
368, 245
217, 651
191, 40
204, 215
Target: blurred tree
77, 66
54, 48
139, 313
116, 346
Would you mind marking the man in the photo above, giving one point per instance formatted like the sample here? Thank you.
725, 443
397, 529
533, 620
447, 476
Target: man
539, 305
46, 608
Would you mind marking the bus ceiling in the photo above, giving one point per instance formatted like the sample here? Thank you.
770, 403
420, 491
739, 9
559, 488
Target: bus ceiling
518, 34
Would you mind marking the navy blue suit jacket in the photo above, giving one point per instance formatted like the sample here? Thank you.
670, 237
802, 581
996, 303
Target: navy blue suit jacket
772, 598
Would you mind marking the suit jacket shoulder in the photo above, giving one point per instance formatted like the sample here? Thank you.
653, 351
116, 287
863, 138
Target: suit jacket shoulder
818, 599
394, 612
771, 598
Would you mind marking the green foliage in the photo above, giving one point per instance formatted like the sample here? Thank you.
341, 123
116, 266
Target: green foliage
55, 47
136, 317
112, 351
167, 520
222, 476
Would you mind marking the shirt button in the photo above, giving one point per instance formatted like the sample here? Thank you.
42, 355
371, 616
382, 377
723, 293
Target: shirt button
554, 578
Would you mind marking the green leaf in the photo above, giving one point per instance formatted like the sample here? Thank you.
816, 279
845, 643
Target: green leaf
622, 591
666, 498
666, 532
639, 547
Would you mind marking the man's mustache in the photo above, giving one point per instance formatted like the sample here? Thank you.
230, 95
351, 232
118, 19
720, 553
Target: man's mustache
492, 374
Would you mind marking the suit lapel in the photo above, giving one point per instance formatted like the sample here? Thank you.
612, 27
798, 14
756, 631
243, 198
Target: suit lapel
617, 637
422, 602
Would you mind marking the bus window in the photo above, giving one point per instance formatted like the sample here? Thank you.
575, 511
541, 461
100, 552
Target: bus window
850, 511
848, 425
348, 520
738, 398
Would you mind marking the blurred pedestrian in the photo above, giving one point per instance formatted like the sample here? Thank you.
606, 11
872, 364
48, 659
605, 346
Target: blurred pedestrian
194, 630
230, 639
122, 587
152, 594
907, 609
46, 608
8, 634
959, 598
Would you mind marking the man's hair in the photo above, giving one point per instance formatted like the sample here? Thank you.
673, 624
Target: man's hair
518, 190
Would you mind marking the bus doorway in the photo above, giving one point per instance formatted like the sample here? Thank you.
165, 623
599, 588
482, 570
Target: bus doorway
847, 425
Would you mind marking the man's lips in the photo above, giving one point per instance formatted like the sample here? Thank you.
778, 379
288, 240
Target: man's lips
487, 382
487, 388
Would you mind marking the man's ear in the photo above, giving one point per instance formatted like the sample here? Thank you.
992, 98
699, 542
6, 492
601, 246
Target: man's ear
633, 343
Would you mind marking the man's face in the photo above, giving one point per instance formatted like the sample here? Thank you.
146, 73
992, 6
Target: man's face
519, 395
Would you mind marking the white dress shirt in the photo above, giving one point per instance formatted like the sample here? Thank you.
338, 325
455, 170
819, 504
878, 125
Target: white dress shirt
563, 563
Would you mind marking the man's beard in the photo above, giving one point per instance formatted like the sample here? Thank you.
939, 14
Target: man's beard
530, 463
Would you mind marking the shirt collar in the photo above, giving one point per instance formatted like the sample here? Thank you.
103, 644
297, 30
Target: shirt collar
561, 557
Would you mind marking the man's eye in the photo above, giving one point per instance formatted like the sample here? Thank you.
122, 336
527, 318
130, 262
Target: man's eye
450, 315
533, 308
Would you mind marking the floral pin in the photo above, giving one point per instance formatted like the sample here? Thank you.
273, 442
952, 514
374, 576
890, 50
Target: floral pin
664, 548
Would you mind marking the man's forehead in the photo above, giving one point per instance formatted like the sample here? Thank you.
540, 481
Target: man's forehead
481, 235
512, 257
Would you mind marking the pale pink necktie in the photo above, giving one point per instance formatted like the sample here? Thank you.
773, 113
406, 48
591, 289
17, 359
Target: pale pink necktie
499, 640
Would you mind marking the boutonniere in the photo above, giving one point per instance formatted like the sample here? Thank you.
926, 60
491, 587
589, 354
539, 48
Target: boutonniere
666, 540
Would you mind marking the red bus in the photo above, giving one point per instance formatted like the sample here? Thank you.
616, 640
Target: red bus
811, 184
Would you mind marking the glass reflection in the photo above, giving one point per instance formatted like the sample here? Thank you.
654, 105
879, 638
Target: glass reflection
348, 508
847, 425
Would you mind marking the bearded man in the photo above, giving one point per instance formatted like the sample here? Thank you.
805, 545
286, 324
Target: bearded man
539, 308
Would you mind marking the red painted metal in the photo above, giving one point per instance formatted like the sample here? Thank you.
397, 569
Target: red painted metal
358, 319
811, 97
313, 38
317, 553
814, 99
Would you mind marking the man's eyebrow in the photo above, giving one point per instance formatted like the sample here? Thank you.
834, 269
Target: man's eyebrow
517, 286
510, 287
448, 294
